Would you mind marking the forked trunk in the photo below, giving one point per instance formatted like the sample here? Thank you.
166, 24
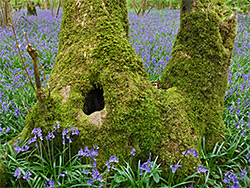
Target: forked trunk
99, 85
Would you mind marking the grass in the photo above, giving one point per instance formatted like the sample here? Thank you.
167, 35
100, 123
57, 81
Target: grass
152, 37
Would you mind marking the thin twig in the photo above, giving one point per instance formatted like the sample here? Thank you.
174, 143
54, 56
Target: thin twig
33, 54
25, 107
44, 74
23, 18
14, 32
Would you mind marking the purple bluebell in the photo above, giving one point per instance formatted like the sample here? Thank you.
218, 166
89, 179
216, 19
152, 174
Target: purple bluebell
8, 129
25, 148
27, 175
17, 149
147, 165
241, 174
133, 151
201, 169
17, 173
85, 171
174, 168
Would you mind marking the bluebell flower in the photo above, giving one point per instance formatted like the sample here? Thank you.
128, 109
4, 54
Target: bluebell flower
17, 173
25, 148
113, 159
81, 153
27, 175
95, 174
100, 178
241, 174
58, 125
195, 154
62, 174
201, 169
64, 132
147, 165
31, 140
51, 136
175, 168
33, 131
75, 131
90, 182
8, 129
94, 163
54, 128
231, 177
50, 183
247, 156
17, 149
191, 151
133, 151
85, 171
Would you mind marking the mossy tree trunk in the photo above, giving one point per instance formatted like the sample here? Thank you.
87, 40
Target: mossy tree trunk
200, 63
99, 85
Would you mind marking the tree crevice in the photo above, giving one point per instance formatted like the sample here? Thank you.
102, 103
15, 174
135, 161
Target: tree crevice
94, 100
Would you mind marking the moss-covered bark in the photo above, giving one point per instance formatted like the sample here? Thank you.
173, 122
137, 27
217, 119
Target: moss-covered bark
95, 53
200, 63
3, 176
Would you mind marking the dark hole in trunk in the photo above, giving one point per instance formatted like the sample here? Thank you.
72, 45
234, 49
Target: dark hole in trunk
94, 101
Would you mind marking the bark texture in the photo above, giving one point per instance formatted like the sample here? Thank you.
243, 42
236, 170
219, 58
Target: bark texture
99, 85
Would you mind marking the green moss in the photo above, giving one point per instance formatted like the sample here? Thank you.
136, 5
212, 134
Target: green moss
3, 172
199, 66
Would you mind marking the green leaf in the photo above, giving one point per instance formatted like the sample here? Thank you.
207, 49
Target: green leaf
119, 179
156, 177
216, 176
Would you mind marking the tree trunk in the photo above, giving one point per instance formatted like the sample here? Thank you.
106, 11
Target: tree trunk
58, 8
200, 63
31, 8
4, 13
99, 85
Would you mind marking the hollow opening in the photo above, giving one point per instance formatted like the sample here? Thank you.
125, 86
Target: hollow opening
94, 100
